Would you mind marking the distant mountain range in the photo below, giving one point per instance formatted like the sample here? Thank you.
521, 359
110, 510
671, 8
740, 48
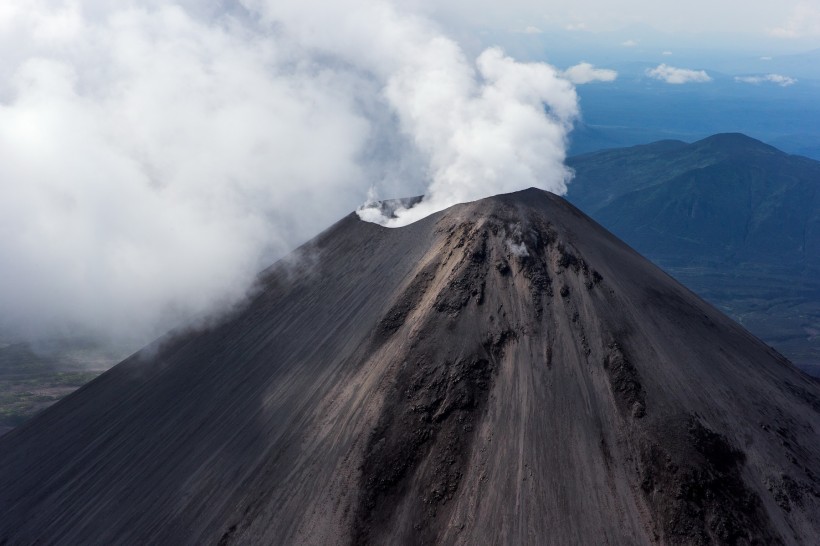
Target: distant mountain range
735, 219
636, 109
34, 376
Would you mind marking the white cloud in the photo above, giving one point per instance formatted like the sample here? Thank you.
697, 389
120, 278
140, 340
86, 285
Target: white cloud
767, 58
532, 30
586, 73
673, 75
154, 156
666, 53
629, 43
151, 163
573, 27
782, 81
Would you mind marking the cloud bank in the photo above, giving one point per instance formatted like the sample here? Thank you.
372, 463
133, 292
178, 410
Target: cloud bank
673, 75
151, 162
154, 156
778, 79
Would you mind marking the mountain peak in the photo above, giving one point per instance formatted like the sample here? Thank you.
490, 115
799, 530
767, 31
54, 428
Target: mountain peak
468, 378
734, 143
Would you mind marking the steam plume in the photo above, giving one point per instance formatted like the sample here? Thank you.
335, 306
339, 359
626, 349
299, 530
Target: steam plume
154, 156
481, 128
501, 131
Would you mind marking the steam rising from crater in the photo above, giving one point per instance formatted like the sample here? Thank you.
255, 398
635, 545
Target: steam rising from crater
499, 128
478, 128
154, 155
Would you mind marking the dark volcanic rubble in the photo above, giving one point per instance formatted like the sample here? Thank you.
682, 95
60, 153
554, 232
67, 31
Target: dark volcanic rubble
502, 372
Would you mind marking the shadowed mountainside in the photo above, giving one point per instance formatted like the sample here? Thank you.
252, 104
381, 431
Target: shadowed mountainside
505, 371
732, 218
728, 198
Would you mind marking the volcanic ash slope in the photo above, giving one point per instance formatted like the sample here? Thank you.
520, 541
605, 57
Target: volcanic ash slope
503, 372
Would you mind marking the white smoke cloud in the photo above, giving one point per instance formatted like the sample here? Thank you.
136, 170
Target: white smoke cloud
154, 156
501, 130
518, 249
778, 79
673, 75
150, 161
586, 73
481, 128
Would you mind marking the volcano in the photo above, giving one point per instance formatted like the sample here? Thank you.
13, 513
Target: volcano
502, 372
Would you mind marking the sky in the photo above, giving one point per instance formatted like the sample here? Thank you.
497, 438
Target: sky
791, 19
154, 155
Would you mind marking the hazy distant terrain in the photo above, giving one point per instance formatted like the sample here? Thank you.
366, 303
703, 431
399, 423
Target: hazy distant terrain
736, 220
32, 377
636, 109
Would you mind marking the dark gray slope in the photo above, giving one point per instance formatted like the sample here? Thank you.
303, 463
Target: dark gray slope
505, 372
